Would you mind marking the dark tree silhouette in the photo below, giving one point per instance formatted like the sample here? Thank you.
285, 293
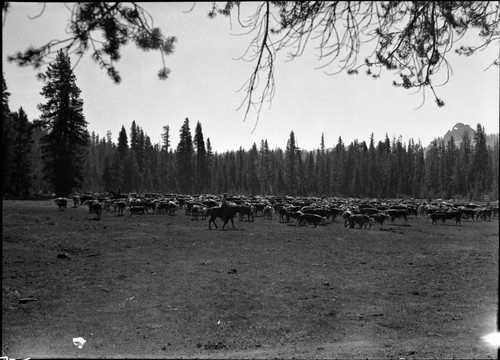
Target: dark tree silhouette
65, 145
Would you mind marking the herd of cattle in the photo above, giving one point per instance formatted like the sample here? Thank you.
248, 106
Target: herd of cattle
301, 210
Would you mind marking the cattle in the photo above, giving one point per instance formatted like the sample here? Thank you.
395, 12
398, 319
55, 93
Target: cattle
317, 211
347, 214
361, 219
137, 209
282, 213
226, 213
446, 215
268, 212
467, 213
245, 209
396, 214
167, 205
85, 198
413, 210
76, 201
120, 205
484, 213
61, 203
334, 212
380, 218
196, 211
95, 208
312, 219
293, 215
368, 211
435, 217
259, 208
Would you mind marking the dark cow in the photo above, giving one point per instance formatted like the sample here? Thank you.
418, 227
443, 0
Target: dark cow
317, 211
137, 209
245, 209
226, 213
61, 203
467, 213
361, 219
380, 218
76, 201
312, 219
95, 208
368, 211
484, 213
120, 205
268, 212
396, 214
435, 217
446, 215
196, 211
334, 212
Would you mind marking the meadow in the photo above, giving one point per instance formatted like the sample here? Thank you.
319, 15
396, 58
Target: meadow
160, 286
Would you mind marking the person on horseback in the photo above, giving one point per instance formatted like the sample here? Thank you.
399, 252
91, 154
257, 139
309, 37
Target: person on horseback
223, 201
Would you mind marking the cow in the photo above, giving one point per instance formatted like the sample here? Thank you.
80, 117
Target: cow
268, 212
396, 214
245, 209
120, 205
466, 213
435, 217
334, 212
484, 213
137, 209
317, 211
61, 203
226, 213
196, 211
368, 211
76, 201
312, 219
446, 215
361, 219
95, 208
380, 218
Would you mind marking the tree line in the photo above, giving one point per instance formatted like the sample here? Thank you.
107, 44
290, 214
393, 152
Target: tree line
56, 154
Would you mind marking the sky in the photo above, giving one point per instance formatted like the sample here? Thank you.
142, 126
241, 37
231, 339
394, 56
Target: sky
207, 75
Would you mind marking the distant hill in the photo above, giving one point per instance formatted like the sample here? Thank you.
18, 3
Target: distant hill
458, 130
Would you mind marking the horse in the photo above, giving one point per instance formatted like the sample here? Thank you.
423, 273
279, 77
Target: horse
226, 213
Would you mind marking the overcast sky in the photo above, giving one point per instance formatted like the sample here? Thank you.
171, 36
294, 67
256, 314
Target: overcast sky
206, 76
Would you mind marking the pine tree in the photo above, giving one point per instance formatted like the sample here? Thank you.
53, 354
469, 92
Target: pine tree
21, 153
201, 168
185, 173
291, 166
7, 139
122, 144
64, 146
480, 156
210, 159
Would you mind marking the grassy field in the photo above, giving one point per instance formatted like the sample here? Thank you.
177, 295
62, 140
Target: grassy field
158, 286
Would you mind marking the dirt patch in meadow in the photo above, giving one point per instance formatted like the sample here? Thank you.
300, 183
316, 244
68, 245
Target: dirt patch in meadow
158, 286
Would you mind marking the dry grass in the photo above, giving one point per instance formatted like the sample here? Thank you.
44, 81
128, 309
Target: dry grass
160, 286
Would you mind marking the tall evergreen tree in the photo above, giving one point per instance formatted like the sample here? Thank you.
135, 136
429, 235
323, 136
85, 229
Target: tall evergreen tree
21, 153
291, 165
252, 168
64, 146
480, 163
201, 168
7, 139
122, 143
185, 173
210, 159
